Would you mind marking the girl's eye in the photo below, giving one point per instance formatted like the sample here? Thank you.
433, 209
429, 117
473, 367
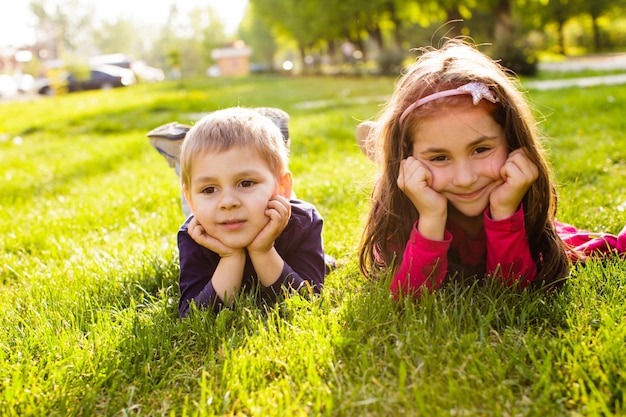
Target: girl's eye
439, 158
481, 149
246, 183
209, 190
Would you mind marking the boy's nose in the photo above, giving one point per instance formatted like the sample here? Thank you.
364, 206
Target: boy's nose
229, 199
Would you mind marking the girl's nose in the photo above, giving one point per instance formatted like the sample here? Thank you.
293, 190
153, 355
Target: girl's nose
465, 174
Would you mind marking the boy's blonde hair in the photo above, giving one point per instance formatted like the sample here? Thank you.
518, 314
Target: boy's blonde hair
225, 129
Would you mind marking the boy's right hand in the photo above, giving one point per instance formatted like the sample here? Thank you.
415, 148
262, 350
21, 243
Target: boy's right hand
415, 179
202, 238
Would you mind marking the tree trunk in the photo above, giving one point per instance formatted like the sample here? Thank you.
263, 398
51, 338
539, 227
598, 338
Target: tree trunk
454, 22
376, 36
503, 24
332, 50
561, 36
397, 26
597, 44
302, 51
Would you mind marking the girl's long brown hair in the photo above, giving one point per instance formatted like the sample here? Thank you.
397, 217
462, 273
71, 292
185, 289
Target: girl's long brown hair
392, 214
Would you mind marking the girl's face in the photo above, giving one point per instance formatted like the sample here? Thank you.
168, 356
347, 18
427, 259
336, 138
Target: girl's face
464, 148
229, 194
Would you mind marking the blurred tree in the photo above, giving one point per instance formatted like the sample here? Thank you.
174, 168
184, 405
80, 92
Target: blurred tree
304, 22
212, 31
596, 9
258, 35
66, 24
185, 42
556, 12
324, 30
118, 36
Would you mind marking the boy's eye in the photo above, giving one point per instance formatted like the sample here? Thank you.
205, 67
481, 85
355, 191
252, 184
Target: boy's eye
208, 190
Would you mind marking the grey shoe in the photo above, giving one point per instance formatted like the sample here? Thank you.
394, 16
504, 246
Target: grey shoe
280, 119
167, 139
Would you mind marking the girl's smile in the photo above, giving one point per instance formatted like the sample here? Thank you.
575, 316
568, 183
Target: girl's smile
470, 195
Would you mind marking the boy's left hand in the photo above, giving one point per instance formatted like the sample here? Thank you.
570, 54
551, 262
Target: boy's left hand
279, 211
518, 174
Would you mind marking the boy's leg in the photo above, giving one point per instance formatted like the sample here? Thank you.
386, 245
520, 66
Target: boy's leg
167, 139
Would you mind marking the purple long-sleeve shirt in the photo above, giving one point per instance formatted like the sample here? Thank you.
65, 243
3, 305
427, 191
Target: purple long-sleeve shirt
300, 245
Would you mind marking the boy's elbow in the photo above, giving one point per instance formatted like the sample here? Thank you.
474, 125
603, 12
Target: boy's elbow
183, 310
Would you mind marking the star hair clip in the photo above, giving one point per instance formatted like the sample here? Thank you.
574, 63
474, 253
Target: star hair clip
476, 89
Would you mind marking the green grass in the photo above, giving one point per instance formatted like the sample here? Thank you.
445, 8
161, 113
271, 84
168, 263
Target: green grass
88, 274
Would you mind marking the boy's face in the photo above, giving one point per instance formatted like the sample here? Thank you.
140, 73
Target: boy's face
229, 194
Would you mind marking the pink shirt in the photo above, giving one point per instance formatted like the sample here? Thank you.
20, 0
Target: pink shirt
584, 244
500, 250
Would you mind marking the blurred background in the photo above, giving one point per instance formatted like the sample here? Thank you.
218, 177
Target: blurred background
52, 47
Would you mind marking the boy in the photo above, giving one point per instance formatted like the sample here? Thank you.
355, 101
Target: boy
245, 233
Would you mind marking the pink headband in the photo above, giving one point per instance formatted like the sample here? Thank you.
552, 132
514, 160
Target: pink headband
477, 89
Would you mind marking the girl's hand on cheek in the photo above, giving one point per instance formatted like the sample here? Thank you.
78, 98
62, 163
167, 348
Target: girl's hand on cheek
202, 238
278, 211
518, 174
414, 180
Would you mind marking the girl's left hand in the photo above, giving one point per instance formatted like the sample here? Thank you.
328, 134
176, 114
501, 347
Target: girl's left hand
279, 211
518, 174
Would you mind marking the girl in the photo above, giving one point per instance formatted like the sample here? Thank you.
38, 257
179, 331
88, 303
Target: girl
465, 189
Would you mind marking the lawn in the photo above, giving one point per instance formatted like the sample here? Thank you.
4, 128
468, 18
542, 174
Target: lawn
88, 273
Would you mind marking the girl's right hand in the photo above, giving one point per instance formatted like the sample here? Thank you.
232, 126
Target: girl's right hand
202, 238
415, 181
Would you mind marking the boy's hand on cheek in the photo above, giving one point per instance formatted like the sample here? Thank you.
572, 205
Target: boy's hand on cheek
518, 174
278, 211
202, 238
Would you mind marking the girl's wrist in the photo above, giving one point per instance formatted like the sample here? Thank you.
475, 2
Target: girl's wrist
502, 213
432, 227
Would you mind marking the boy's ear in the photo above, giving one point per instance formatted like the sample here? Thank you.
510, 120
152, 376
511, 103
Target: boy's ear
285, 185
187, 197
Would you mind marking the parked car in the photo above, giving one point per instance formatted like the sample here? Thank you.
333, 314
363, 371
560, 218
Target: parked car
100, 77
147, 74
